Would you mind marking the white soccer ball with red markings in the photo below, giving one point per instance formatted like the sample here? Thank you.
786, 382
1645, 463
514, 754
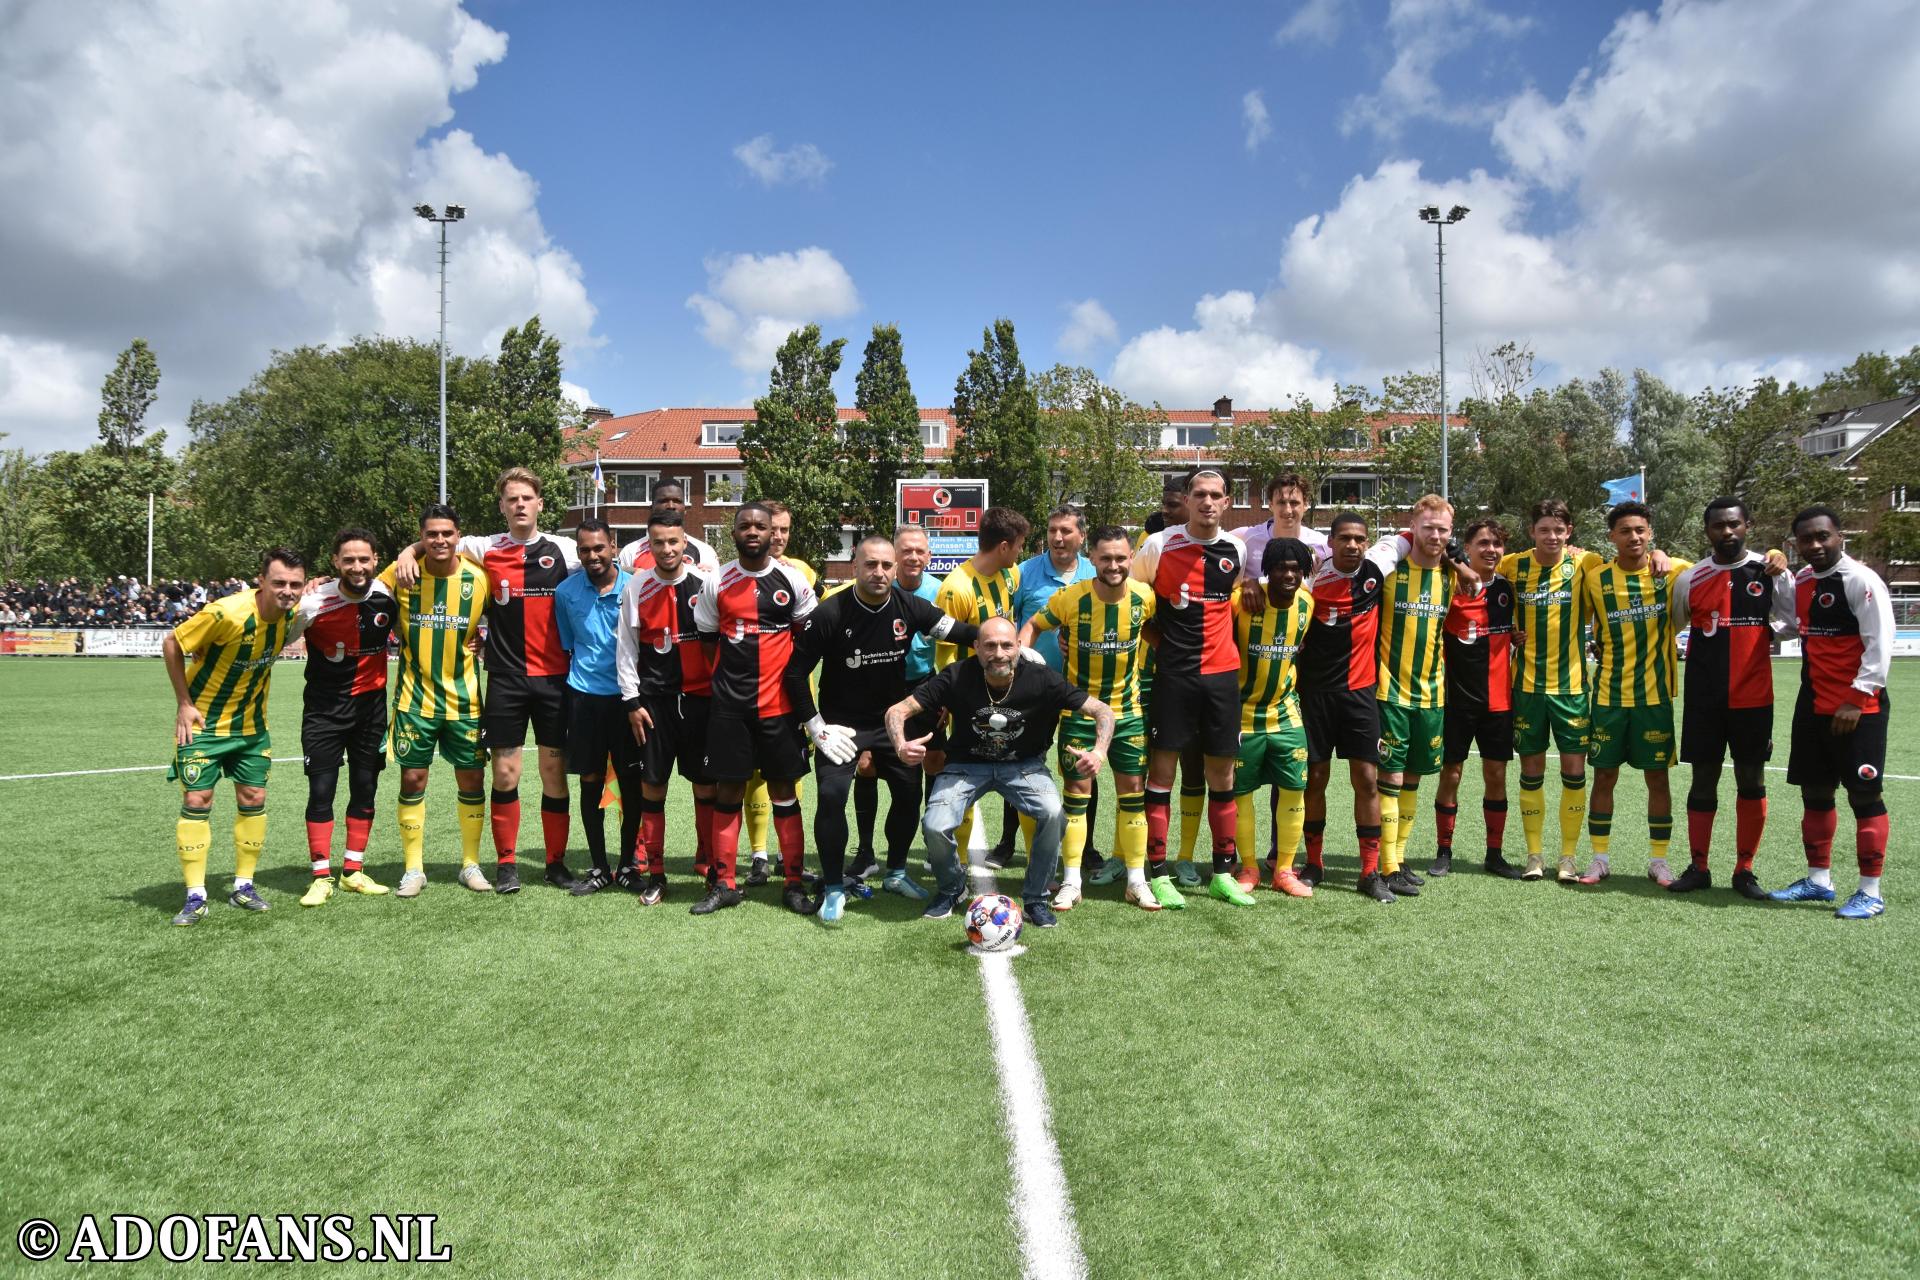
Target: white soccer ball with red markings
994, 922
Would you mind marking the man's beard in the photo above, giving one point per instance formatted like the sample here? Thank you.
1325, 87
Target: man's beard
999, 670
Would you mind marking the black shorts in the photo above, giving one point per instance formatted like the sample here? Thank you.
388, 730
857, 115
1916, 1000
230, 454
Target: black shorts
597, 730
678, 738
513, 700
888, 767
1708, 733
354, 727
1471, 725
739, 746
1344, 723
1195, 709
1854, 760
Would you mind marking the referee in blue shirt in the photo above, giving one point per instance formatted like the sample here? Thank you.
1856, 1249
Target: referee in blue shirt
586, 608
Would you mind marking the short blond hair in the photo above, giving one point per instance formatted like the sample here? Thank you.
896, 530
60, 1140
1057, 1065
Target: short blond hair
777, 508
1433, 502
519, 475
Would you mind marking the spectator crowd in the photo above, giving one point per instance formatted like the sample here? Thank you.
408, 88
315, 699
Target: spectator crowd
116, 602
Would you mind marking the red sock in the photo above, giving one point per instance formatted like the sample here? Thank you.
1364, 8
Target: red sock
359, 831
1158, 804
651, 853
1870, 842
726, 843
1369, 850
1445, 818
1316, 837
1494, 814
1750, 820
1223, 815
554, 821
703, 836
1816, 835
791, 837
319, 844
1700, 835
506, 823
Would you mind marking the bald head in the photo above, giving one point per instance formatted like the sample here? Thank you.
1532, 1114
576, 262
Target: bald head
998, 646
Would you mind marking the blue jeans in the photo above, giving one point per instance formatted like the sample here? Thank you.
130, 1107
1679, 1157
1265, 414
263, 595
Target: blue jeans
1025, 784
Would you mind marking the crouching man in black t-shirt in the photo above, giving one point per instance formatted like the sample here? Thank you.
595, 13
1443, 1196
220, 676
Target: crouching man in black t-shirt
1004, 712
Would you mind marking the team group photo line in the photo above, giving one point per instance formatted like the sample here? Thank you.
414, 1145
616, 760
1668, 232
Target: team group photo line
1229, 668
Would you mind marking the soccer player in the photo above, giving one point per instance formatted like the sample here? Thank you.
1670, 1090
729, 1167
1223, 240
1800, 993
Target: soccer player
347, 622
984, 587
1193, 570
1631, 605
1845, 619
666, 677
1273, 736
526, 669
586, 608
746, 615
1101, 622
220, 726
437, 704
1004, 711
1173, 509
1478, 641
859, 638
756, 810
1061, 564
637, 555
1726, 601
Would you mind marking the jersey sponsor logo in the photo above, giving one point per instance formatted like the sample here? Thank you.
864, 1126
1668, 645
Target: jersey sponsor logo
192, 769
546, 562
1503, 600
379, 619
1226, 565
899, 629
1655, 735
1756, 589
1566, 570
781, 597
503, 593
1867, 773
1826, 599
466, 590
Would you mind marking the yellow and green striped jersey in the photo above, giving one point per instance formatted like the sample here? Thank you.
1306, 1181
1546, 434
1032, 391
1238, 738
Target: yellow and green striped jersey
1550, 612
1268, 642
804, 569
439, 678
1413, 613
1633, 625
231, 650
1100, 641
966, 596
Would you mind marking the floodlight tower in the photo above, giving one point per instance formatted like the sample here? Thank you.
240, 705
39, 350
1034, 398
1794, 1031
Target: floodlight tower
1431, 213
453, 213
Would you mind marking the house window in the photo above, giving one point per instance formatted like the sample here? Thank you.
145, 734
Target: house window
1394, 435
1905, 498
1243, 492
1351, 438
582, 488
633, 486
718, 435
933, 435
720, 538
725, 487
1340, 491
1195, 437
844, 555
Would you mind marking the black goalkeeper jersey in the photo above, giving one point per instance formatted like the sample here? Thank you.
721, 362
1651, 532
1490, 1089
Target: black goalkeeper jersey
861, 650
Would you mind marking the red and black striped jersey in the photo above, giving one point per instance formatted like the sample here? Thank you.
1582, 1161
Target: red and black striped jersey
637, 556
660, 649
1340, 649
522, 636
1193, 584
1479, 647
1729, 613
1845, 618
752, 615
346, 640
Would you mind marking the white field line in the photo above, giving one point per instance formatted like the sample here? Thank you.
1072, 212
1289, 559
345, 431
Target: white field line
1042, 1208
91, 773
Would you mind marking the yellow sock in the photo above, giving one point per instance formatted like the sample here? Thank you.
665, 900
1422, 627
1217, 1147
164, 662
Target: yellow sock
1389, 829
1573, 811
1659, 834
191, 836
1289, 822
756, 810
249, 834
1073, 842
411, 813
963, 836
1409, 806
1243, 829
473, 823
1600, 831
1533, 812
1027, 827
1130, 828
1193, 810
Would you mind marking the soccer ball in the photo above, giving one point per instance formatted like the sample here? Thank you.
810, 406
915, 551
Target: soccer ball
994, 922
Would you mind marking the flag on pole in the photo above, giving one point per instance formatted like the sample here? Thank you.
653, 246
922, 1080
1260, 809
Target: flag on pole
599, 477
1626, 489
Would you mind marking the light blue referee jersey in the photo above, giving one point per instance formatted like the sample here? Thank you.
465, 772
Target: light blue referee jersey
589, 621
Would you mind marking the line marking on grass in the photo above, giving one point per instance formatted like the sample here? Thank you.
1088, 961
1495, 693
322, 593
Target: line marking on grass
91, 773
1042, 1208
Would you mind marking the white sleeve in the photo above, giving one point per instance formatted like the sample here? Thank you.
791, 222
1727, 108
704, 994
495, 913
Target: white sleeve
627, 660
303, 615
1873, 606
1785, 618
473, 547
1147, 558
1390, 551
704, 554
804, 600
706, 607
569, 550
630, 554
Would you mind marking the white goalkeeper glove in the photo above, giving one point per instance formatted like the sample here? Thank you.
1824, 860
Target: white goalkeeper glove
835, 741
1030, 654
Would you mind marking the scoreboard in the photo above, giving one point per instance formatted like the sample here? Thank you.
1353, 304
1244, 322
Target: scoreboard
949, 510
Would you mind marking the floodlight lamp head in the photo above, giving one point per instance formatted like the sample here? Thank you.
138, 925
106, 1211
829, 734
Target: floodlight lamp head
1429, 213
455, 212
1456, 213
424, 210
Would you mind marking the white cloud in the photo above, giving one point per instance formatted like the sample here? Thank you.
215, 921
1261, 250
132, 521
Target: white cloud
753, 302
802, 163
1315, 22
1425, 33
1254, 119
1089, 325
224, 177
1231, 351
576, 395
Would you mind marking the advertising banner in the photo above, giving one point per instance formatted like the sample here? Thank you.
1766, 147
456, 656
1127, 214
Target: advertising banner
949, 510
40, 642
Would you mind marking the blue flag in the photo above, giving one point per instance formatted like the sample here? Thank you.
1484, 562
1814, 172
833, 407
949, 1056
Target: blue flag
1625, 489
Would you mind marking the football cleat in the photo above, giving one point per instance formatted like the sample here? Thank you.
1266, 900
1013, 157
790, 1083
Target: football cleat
796, 900
1803, 890
1861, 906
1140, 894
626, 877
1248, 878
1107, 872
1041, 916
318, 892
1068, 896
1269, 865
194, 912
653, 890
1691, 879
1496, 865
560, 876
1536, 868
411, 883
1166, 894
832, 903
1187, 875
1404, 883
1313, 873
1442, 865
506, 878
247, 899
1657, 871
1414, 876
593, 882
854, 887
1227, 889
941, 906
1373, 886
1747, 885
905, 886
1285, 881
1569, 872
473, 878
361, 882
718, 898
1597, 870
999, 858
863, 864
757, 872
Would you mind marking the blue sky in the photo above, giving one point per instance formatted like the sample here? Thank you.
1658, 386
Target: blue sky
1191, 200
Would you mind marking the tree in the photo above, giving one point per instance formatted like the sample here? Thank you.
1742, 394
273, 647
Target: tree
95, 506
126, 395
24, 527
1103, 442
1873, 375
791, 449
1410, 463
1751, 433
1313, 442
1507, 370
1678, 461
523, 425
883, 445
997, 417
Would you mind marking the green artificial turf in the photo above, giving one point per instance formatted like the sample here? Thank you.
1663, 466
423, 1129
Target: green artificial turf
1493, 1079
